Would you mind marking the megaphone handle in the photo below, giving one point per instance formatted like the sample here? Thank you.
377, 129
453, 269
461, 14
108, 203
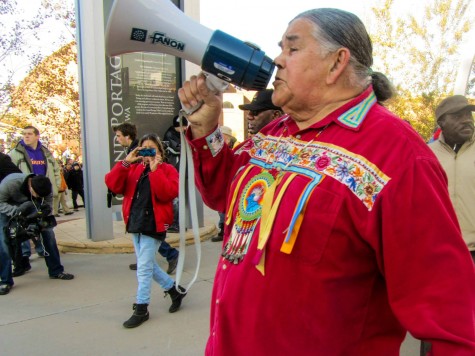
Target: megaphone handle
213, 83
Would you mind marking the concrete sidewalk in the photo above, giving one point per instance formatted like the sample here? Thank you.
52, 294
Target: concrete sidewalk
84, 316
71, 234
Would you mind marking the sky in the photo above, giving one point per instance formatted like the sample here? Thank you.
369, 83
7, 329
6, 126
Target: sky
258, 21
264, 21
49, 38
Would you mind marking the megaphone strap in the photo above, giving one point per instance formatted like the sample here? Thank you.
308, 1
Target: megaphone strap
187, 169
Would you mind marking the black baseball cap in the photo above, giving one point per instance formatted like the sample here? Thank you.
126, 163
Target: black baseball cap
261, 101
41, 185
451, 105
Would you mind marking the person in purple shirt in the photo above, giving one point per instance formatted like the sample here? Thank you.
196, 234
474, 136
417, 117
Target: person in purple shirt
31, 156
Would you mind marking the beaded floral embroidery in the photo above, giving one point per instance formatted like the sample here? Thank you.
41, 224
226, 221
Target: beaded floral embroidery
249, 213
358, 174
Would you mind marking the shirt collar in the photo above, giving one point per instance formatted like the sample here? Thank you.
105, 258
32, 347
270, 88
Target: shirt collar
350, 115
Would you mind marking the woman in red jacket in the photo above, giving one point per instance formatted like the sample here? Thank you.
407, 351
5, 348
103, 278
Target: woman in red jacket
149, 186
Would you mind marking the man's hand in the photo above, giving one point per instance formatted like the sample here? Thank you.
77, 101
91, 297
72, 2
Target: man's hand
25, 208
45, 209
205, 119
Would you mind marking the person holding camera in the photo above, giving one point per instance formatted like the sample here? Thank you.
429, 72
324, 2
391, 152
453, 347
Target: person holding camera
149, 186
31, 156
27, 196
126, 135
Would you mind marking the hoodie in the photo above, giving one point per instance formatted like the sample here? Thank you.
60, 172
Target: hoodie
37, 158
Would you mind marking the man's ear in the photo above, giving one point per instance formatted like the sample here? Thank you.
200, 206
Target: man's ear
341, 58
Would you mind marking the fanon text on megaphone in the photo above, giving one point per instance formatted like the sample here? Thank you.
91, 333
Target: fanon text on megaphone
159, 26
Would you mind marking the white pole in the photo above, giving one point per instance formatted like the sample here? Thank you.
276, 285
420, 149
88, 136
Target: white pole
93, 101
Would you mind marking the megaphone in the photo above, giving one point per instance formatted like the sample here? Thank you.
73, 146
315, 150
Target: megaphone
159, 26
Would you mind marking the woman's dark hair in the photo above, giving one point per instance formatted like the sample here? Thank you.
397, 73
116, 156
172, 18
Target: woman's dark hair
335, 28
155, 139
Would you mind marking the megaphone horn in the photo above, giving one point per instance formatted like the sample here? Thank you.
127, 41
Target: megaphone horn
159, 26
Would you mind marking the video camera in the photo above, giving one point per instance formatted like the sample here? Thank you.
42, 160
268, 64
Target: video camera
24, 227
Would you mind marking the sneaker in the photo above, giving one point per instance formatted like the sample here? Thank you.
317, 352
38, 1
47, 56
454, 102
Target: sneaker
172, 265
63, 275
5, 289
133, 266
69, 213
22, 267
17, 272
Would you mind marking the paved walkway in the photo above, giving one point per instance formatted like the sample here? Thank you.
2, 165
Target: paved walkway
84, 316
71, 234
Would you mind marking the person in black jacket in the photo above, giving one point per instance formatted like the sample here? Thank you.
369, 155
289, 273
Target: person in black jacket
172, 141
7, 166
75, 182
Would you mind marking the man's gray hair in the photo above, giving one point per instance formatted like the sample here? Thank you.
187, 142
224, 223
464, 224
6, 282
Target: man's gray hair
334, 29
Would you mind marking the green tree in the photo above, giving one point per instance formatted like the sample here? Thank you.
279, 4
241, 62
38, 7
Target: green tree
49, 94
419, 52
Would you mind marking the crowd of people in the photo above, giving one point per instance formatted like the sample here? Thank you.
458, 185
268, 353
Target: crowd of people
27, 190
341, 229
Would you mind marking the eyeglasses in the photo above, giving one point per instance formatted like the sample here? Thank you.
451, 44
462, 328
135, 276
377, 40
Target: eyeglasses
256, 112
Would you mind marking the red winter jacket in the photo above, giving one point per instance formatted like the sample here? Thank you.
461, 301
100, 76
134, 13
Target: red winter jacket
163, 185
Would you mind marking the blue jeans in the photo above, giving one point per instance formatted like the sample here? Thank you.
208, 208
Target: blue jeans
52, 259
47, 245
26, 249
147, 267
5, 260
170, 253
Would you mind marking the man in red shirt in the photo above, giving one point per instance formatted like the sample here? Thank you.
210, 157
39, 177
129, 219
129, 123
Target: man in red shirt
340, 234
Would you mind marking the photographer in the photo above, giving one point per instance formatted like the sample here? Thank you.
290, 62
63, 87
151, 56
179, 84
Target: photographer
28, 197
148, 188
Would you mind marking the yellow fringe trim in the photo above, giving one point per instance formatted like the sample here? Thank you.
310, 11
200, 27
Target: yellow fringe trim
269, 212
